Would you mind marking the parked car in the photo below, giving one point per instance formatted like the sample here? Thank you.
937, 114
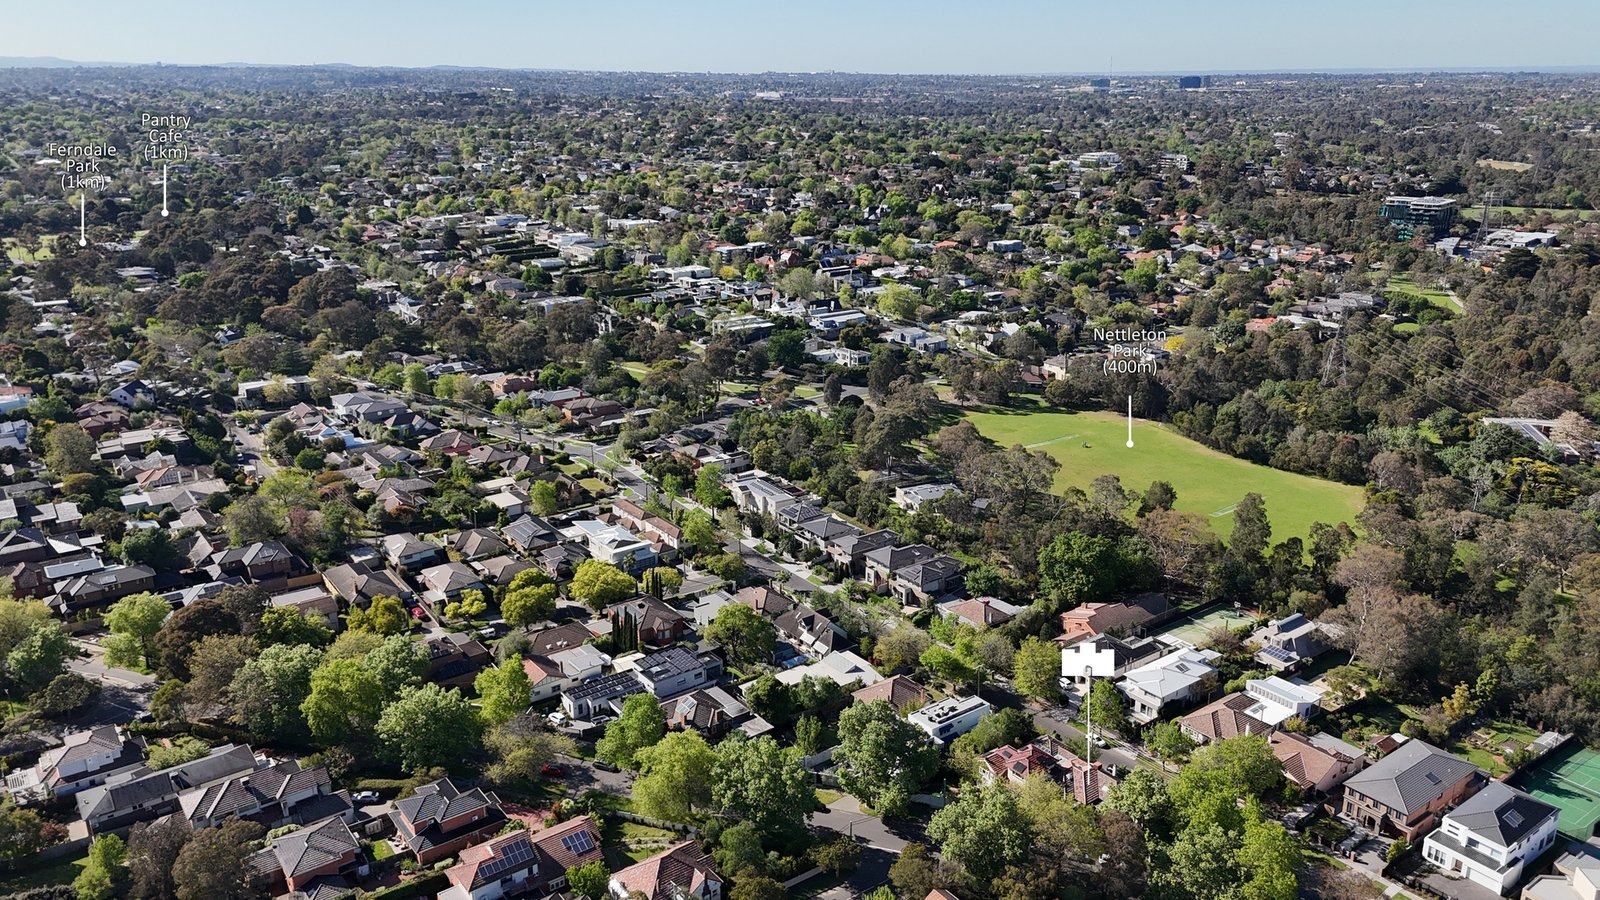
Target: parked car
604, 766
551, 770
365, 798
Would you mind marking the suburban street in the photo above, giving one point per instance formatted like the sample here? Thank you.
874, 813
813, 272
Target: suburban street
844, 815
93, 665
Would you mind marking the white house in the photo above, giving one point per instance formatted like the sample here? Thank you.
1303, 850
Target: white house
550, 675
1170, 679
134, 395
912, 497
842, 667
1490, 837
1278, 699
84, 760
613, 544
950, 718
1576, 877
670, 672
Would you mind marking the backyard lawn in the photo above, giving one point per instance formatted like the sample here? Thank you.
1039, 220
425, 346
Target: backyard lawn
62, 872
1090, 444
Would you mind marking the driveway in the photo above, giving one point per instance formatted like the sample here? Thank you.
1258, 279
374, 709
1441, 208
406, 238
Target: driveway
583, 776
844, 816
873, 871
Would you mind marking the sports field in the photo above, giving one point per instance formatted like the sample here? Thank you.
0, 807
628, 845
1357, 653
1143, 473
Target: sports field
1090, 444
1570, 779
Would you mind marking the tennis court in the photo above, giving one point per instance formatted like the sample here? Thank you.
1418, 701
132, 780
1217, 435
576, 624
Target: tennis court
1569, 779
1195, 629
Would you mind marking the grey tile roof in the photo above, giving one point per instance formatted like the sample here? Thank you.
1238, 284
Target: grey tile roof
312, 848
1411, 777
1502, 814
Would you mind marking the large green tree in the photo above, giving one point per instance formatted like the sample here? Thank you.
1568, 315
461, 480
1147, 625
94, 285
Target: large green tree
674, 777
1077, 568
747, 635
344, 701
504, 692
105, 872
1036, 670
641, 725
983, 831
529, 599
883, 759
40, 656
268, 691
427, 726
760, 782
598, 584
134, 621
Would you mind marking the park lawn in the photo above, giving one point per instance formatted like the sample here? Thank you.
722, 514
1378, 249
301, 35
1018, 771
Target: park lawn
18, 255
1402, 284
62, 872
1504, 165
1210, 483
1499, 212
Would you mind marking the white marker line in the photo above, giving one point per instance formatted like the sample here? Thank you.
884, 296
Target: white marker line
163, 190
83, 234
1225, 511
1035, 446
1130, 421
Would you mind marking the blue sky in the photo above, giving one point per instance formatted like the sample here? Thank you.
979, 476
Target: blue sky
975, 36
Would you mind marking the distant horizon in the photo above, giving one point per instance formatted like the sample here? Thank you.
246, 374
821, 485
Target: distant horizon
55, 62
877, 37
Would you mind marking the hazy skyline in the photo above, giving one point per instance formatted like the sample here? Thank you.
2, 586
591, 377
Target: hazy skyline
890, 36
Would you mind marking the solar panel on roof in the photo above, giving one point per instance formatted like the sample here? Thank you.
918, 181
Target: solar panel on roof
578, 842
512, 855
1514, 818
1278, 653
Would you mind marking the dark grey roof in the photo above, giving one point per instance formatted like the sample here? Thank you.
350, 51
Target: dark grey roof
529, 530
621, 684
1502, 814
1411, 777
312, 848
668, 663
419, 818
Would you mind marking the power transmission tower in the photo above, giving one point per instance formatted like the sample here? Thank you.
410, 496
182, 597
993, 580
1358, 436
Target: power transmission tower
1334, 359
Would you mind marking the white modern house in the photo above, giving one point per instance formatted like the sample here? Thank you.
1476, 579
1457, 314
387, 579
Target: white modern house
1168, 680
1491, 836
1279, 699
950, 718
613, 544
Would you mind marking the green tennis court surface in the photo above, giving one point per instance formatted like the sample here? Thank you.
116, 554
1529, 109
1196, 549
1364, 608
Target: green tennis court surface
1196, 630
1569, 779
